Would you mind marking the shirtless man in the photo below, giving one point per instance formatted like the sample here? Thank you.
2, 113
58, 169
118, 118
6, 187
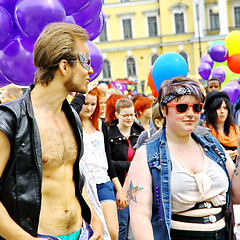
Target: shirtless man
41, 193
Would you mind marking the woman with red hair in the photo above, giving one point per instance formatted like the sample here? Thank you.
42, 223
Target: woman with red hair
143, 110
97, 158
110, 108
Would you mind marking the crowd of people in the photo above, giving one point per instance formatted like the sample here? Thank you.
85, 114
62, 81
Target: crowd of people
103, 165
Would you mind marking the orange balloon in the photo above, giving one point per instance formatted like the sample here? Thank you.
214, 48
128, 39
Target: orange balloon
151, 83
234, 63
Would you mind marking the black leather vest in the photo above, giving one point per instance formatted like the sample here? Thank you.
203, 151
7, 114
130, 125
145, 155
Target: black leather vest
21, 182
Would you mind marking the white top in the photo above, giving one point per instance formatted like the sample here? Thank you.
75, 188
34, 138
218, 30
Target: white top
94, 156
187, 188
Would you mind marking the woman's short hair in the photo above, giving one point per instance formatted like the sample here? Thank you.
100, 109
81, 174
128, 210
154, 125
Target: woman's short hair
56, 42
111, 107
141, 104
123, 103
177, 87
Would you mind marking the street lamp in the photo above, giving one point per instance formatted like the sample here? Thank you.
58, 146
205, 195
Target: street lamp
198, 23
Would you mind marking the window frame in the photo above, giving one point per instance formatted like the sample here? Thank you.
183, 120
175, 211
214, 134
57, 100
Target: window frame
126, 66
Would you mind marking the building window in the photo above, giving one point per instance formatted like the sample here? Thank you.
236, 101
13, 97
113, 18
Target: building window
152, 26
185, 56
131, 67
106, 70
127, 28
154, 58
179, 22
237, 16
179, 17
214, 20
103, 35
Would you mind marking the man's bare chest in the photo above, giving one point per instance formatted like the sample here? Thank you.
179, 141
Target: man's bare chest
58, 143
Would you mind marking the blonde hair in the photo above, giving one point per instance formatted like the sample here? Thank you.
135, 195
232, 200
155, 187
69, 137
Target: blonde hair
56, 42
13, 91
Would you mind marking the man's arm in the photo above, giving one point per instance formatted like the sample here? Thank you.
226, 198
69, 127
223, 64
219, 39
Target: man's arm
139, 188
8, 228
96, 223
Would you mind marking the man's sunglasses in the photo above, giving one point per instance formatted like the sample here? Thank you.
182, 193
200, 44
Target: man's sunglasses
85, 60
183, 107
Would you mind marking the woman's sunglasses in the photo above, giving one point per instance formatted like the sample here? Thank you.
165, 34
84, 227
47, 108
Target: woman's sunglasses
183, 107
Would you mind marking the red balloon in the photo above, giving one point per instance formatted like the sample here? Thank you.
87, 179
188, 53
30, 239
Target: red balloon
234, 63
151, 83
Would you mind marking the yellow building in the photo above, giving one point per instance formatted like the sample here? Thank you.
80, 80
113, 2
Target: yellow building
136, 32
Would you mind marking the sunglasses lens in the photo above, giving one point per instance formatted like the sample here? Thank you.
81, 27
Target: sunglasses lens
181, 108
197, 107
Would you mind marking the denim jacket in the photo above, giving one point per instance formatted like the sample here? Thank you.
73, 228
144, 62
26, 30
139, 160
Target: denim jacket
160, 166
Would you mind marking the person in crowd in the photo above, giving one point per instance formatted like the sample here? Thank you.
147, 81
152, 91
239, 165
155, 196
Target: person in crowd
219, 119
179, 183
157, 124
123, 134
111, 107
10, 92
102, 102
113, 91
143, 111
213, 84
41, 188
151, 97
103, 87
97, 158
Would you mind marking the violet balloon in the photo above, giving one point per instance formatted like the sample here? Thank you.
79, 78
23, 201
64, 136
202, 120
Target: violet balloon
206, 58
95, 28
238, 80
89, 14
6, 26
70, 19
233, 90
219, 73
204, 70
218, 53
9, 5
3, 81
32, 16
96, 60
16, 62
74, 6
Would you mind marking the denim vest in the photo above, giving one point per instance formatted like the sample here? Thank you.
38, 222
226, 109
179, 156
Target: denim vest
160, 166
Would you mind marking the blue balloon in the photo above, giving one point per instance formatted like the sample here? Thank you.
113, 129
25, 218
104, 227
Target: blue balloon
167, 66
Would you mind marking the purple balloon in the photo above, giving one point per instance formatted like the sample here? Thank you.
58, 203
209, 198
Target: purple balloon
74, 6
89, 14
238, 80
206, 58
32, 16
16, 61
3, 81
70, 19
204, 70
9, 5
219, 73
95, 28
233, 90
6, 26
218, 53
96, 60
